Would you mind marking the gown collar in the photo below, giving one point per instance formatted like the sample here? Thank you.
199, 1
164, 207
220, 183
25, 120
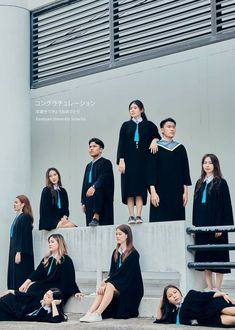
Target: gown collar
169, 145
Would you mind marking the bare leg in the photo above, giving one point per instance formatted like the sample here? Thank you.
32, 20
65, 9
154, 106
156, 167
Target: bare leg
228, 311
67, 224
107, 298
96, 216
219, 280
130, 204
96, 303
139, 205
228, 319
208, 278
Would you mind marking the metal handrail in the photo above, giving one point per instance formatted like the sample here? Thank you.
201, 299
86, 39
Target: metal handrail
211, 265
211, 247
192, 230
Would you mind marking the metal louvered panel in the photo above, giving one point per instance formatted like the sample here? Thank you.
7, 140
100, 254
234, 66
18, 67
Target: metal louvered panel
225, 15
69, 39
72, 38
155, 24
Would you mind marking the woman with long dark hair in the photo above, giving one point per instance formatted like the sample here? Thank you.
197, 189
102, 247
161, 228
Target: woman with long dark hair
21, 260
55, 269
138, 136
17, 306
212, 207
215, 309
120, 294
54, 204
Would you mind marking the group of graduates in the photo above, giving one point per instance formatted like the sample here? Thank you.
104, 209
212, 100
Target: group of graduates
39, 295
147, 162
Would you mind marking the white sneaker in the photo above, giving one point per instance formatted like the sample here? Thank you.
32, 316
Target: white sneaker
85, 317
94, 317
208, 290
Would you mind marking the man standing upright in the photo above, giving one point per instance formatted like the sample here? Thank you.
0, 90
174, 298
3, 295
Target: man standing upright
98, 187
168, 176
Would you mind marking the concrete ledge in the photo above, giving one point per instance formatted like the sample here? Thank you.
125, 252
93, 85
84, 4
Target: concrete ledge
147, 307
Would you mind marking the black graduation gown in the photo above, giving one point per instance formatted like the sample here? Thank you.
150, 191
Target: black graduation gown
168, 171
217, 211
61, 276
21, 241
50, 214
102, 201
200, 307
133, 181
16, 307
128, 281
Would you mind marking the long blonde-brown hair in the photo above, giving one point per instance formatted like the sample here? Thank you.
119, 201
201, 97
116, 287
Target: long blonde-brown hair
27, 209
129, 242
62, 249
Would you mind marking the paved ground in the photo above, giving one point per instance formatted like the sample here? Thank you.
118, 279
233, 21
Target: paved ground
110, 324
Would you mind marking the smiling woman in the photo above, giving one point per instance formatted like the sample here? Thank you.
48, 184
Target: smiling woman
55, 269
54, 204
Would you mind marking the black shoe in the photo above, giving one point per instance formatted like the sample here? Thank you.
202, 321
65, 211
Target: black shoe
94, 222
131, 220
138, 219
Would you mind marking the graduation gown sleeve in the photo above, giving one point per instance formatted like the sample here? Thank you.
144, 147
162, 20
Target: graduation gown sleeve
68, 283
224, 213
23, 235
185, 167
121, 143
43, 316
105, 175
84, 186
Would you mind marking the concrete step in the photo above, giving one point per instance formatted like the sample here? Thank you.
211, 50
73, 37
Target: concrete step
147, 307
154, 282
229, 287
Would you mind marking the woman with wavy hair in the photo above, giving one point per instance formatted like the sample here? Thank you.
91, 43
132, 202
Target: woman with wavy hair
55, 269
54, 204
21, 260
120, 294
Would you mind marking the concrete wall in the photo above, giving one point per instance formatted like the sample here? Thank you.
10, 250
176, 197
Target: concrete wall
195, 87
91, 248
15, 116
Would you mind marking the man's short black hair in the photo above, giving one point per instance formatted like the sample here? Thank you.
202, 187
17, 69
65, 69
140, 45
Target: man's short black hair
162, 123
97, 141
